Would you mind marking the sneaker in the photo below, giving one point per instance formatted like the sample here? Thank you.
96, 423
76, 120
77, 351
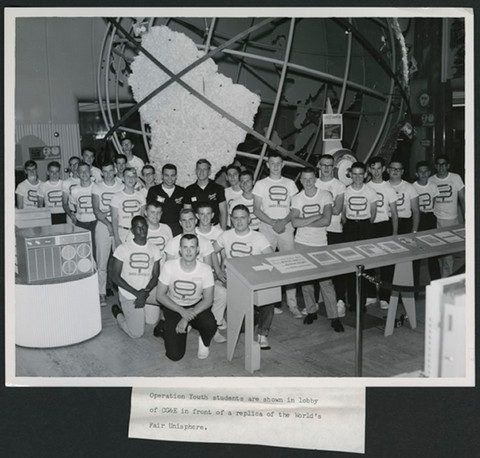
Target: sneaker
103, 300
371, 300
222, 326
263, 342
203, 350
384, 305
337, 325
109, 292
116, 310
295, 312
277, 311
219, 338
341, 308
310, 318
304, 312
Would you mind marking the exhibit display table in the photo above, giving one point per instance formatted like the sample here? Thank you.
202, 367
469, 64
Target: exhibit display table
257, 280
58, 314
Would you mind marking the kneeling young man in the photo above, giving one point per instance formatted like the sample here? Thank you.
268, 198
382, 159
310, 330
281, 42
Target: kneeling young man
136, 266
185, 290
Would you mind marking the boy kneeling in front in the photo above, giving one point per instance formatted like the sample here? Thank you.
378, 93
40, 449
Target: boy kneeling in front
185, 290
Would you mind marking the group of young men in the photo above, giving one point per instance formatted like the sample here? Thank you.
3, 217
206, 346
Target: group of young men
170, 243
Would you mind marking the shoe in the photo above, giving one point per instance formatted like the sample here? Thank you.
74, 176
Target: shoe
103, 300
310, 318
109, 292
219, 338
295, 312
263, 342
371, 300
116, 310
203, 350
304, 312
341, 308
159, 329
337, 325
384, 305
222, 326
277, 311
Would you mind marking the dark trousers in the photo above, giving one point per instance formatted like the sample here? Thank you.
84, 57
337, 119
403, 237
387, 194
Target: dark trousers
427, 221
176, 344
405, 225
382, 229
356, 230
90, 225
339, 282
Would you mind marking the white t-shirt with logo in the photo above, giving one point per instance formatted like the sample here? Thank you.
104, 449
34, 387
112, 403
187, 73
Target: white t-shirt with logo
358, 203
336, 188
52, 195
105, 195
230, 197
29, 192
67, 186
128, 206
186, 288
238, 246
137, 164
386, 195
173, 247
138, 262
405, 193
426, 196
446, 203
212, 235
82, 199
158, 237
254, 221
312, 206
276, 196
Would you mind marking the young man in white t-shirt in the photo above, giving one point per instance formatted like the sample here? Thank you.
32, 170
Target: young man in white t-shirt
136, 266
81, 198
205, 228
327, 182
132, 160
51, 194
234, 191
67, 186
88, 156
359, 212
272, 198
247, 197
239, 242
125, 205
102, 194
407, 199
185, 290
148, 178
311, 215
449, 204
27, 191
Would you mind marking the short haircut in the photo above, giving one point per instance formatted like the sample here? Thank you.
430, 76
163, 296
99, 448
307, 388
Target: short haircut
422, 164
130, 169
73, 158
54, 164
203, 161
155, 204
89, 148
121, 156
203, 204
275, 153
148, 166
396, 159
358, 165
30, 163
241, 207
169, 167
126, 138
108, 163
83, 164
326, 156
444, 157
246, 173
375, 159
309, 169
185, 211
137, 219
188, 237
234, 167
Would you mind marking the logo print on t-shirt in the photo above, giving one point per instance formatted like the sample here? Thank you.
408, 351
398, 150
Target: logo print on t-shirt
240, 250
184, 288
85, 204
106, 198
139, 261
445, 192
357, 204
55, 197
158, 240
32, 196
278, 194
400, 199
424, 201
131, 206
311, 210
380, 200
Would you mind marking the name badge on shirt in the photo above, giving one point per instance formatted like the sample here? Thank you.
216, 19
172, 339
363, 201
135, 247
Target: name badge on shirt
194, 199
161, 199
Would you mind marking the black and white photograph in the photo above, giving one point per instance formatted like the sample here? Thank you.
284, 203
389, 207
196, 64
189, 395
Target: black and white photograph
170, 171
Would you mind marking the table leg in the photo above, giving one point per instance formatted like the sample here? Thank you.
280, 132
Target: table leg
237, 307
